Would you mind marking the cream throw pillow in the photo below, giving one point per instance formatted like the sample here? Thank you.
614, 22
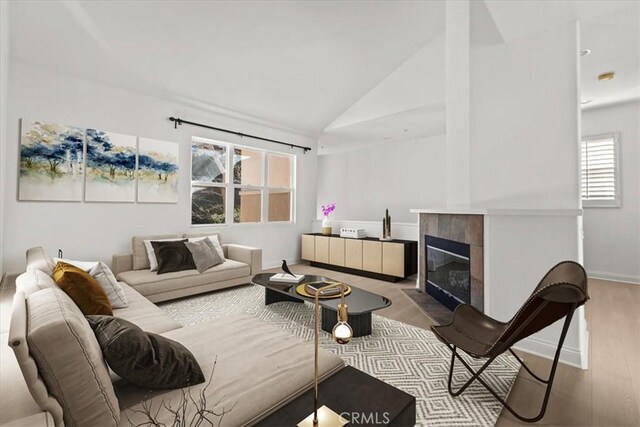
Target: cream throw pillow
105, 278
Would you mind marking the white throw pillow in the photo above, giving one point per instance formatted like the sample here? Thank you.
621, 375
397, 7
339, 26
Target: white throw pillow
151, 254
103, 275
216, 243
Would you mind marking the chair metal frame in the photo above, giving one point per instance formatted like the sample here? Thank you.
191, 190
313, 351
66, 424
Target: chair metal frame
558, 286
476, 374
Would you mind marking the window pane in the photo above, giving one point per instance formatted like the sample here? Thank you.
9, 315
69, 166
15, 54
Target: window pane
247, 167
247, 205
207, 205
598, 171
279, 170
279, 205
208, 162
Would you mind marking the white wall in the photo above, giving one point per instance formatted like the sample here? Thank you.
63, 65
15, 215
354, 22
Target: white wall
612, 235
4, 82
524, 122
400, 176
524, 155
521, 249
98, 230
458, 158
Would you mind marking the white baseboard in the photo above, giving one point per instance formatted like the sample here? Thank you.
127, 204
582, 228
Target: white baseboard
614, 277
547, 349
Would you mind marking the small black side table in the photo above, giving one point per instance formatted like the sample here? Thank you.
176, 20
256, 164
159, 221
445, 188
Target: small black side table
358, 397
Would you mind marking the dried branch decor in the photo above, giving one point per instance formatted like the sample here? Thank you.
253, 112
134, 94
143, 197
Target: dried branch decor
190, 412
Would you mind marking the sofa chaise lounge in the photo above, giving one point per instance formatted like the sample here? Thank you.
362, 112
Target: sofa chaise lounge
259, 367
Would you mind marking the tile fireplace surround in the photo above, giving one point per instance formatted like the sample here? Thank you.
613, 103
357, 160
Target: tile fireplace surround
464, 228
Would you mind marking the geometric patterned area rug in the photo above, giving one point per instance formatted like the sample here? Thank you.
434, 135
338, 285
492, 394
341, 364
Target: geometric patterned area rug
409, 358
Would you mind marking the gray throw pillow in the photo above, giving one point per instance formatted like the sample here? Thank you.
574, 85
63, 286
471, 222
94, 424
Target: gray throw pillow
204, 254
143, 358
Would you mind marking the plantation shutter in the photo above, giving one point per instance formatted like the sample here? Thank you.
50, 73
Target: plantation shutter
599, 171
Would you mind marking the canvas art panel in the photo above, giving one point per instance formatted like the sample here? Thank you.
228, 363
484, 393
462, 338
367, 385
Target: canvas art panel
157, 171
51, 162
110, 167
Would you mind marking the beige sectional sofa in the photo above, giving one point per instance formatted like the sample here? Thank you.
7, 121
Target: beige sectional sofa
241, 263
259, 366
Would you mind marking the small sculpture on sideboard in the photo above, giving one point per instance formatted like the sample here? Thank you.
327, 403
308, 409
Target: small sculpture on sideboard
386, 227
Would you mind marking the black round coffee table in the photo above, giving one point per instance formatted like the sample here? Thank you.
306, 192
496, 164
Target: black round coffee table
360, 302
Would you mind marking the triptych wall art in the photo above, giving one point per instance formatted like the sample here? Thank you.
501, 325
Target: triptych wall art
64, 163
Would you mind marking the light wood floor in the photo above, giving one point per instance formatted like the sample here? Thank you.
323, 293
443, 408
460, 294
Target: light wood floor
607, 394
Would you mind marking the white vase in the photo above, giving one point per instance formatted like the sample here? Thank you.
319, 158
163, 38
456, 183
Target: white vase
326, 226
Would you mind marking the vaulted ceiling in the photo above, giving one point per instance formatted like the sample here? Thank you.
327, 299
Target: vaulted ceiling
350, 73
299, 64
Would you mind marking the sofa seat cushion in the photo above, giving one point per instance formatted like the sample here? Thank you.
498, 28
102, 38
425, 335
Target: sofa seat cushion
144, 313
149, 282
259, 366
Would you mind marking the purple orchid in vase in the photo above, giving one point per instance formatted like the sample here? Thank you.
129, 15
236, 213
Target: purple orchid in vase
326, 224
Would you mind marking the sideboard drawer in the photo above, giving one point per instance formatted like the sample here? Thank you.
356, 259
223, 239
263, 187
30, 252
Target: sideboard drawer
322, 249
372, 256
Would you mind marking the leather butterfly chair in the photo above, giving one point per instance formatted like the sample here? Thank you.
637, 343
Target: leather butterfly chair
559, 293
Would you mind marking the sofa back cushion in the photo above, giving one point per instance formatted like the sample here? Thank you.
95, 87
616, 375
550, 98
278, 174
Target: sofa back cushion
37, 259
33, 281
200, 235
69, 360
18, 342
140, 257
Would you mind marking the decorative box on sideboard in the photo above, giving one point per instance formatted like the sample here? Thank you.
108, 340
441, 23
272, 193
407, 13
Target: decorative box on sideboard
392, 260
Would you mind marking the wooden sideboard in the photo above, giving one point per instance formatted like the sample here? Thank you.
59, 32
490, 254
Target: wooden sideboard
392, 260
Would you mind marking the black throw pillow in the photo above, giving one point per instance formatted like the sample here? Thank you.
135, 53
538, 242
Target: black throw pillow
143, 358
173, 256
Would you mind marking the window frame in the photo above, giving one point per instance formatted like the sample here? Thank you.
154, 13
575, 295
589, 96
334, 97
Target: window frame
230, 186
290, 189
616, 202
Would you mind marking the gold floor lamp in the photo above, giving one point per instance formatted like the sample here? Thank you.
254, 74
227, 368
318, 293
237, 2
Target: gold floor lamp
342, 333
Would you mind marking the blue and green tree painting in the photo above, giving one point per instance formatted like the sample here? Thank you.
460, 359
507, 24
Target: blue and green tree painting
51, 162
157, 171
111, 167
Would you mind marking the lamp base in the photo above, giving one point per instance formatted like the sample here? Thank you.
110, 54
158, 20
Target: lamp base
326, 418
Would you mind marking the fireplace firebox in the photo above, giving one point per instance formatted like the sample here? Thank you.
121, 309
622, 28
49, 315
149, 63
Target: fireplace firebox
448, 272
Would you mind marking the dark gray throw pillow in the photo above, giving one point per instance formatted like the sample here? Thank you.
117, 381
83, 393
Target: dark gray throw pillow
173, 256
143, 358
204, 254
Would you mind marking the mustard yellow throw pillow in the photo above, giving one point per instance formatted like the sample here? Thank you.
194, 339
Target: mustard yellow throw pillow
83, 289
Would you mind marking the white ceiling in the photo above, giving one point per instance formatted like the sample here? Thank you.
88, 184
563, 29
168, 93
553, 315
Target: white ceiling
299, 64
352, 73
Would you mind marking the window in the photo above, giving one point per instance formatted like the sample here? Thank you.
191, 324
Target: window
208, 183
600, 174
280, 179
259, 188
